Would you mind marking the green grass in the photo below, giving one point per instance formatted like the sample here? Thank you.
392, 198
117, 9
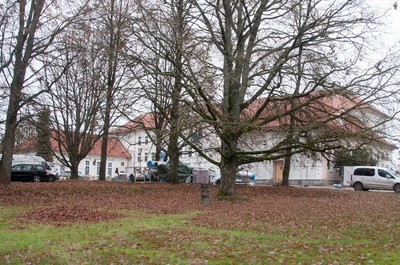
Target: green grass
77, 243
172, 239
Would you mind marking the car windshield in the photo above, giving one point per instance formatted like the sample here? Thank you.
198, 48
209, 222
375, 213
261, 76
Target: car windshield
394, 174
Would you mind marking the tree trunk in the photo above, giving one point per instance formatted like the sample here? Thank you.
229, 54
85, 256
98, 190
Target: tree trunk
174, 162
173, 148
104, 143
292, 125
228, 167
9, 139
176, 128
11, 122
113, 45
103, 157
74, 170
228, 178
286, 170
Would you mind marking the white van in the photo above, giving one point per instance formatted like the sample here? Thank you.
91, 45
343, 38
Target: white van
25, 159
374, 178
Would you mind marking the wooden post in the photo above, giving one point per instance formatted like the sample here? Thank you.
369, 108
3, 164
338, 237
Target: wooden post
205, 194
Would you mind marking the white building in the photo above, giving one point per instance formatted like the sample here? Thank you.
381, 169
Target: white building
304, 170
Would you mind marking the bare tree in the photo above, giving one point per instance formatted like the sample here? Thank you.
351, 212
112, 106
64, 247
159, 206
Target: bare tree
111, 21
164, 33
274, 71
28, 29
76, 97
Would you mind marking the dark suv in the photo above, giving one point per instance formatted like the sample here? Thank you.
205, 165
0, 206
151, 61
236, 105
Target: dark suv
30, 172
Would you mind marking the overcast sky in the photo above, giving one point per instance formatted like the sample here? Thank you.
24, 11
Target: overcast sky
392, 17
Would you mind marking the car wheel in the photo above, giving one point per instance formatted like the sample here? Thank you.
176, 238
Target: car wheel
36, 178
218, 182
50, 179
396, 188
358, 186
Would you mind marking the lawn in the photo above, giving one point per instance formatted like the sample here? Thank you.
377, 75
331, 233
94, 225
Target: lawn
79, 222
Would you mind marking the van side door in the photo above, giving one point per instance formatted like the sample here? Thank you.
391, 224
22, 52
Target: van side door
366, 176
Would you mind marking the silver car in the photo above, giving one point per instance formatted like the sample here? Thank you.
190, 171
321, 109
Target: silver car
374, 178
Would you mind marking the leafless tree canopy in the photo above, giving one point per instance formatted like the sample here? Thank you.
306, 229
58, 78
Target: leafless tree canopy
257, 80
28, 30
279, 62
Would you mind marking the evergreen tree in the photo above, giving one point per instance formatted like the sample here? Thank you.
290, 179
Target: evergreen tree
43, 144
359, 157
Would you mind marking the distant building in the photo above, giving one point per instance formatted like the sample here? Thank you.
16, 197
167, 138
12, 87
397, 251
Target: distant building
117, 157
304, 170
130, 147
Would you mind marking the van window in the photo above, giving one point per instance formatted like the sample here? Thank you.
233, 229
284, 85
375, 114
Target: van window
384, 174
364, 172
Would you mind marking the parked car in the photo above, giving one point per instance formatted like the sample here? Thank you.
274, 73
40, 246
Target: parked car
30, 172
374, 178
242, 177
28, 159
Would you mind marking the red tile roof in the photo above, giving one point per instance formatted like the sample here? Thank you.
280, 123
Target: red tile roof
142, 121
313, 108
114, 147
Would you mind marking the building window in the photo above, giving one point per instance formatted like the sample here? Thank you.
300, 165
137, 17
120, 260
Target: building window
139, 140
329, 166
329, 160
62, 168
146, 140
146, 156
98, 168
139, 158
109, 170
153, 156
122, 163
87, 167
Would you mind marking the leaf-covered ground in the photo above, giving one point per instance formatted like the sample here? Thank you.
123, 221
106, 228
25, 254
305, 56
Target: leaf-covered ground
298, 221
75, 201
